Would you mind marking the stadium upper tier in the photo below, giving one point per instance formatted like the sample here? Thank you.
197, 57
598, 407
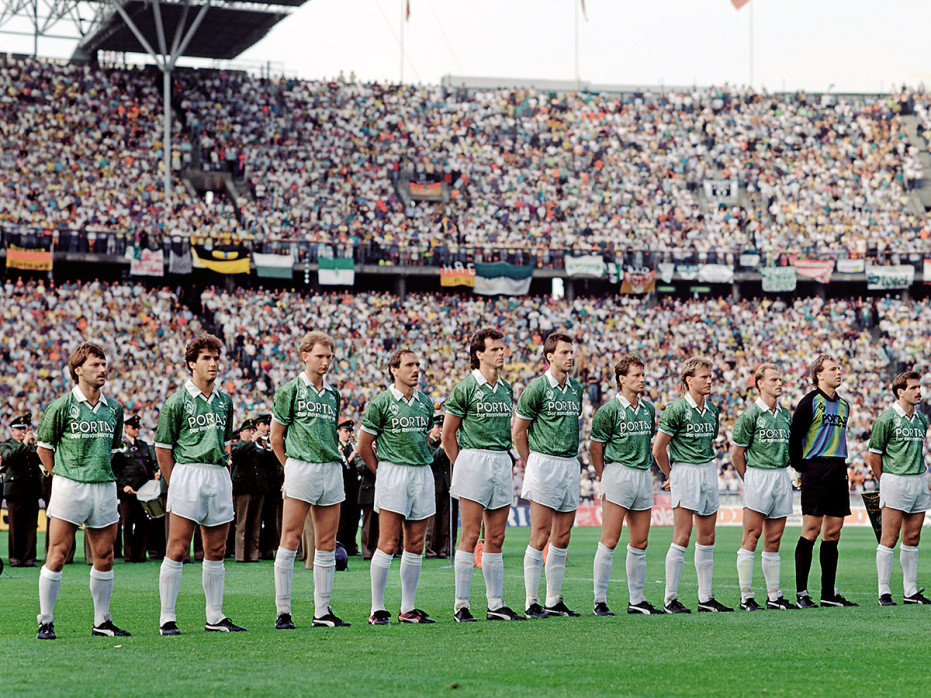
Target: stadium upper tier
144, 332
81, 149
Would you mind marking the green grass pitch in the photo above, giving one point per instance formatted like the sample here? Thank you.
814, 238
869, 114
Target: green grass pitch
831, 651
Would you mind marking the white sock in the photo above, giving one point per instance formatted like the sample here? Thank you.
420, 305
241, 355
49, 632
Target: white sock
324, 571
464, 564
601, 572
704, 566
169, 584
908, 556
533, 569
410, 575
555, 571
884, 557
284, 576
771, 572
213, 575
493, 571
636, 573
675, 561
744, 572
49, 584
101, 585
381, 565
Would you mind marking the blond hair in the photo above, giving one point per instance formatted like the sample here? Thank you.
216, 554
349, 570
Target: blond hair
691, 366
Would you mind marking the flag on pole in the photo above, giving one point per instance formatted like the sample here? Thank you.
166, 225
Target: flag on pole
336, 271
223, 259
275, 266
502, 279
818, 269
739, 3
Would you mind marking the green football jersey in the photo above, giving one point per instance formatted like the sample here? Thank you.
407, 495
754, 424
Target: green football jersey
625, 431
693, 431
764, 435
311, 418
899, 440
196, 427
554, 415
401, 427
485, 412
82, 437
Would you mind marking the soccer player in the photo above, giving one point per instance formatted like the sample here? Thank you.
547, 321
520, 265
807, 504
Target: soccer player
303, 436
895, 456
78, 435
761, 457
619, 445
818, 451
479, 409
689, 427
192, 438
546, 434
399, 420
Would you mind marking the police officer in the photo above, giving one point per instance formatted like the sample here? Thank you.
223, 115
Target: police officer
22, 488
134, 465
437, 537
248, 492
274, 479
349, 509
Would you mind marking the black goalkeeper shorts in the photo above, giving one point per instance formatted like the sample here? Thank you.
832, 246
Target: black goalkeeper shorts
825, 490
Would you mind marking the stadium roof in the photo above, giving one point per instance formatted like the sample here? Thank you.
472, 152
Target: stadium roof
224, 32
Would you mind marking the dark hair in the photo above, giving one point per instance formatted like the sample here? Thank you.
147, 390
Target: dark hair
477, 343
549, 346
901, 381
395, 361
206, 342
81, 354
622, 367
817, 367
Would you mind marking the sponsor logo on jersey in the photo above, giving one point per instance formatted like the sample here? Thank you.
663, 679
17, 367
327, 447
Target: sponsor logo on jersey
909, 433
833, 420
773, 436
699, 429
210, 419
492, 409
562, 408
316, 409
408, 424
95, 427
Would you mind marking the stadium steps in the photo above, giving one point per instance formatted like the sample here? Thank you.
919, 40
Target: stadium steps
922, 195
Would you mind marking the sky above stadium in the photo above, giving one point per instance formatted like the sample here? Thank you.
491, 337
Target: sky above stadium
852, 45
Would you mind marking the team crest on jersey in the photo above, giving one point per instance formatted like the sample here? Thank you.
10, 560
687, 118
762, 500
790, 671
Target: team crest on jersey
302, 392
761, 423
189, 407
688, 416
74, 412
393, 409
549, 394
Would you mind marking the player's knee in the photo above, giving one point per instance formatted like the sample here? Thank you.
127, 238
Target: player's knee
909, 538
610, 541
495, 540
468, 542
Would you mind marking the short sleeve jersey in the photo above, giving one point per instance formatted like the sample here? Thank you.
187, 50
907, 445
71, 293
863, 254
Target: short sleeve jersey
626, 432
485, 412
82, 437
693, 431
765, 435
899, 440
401, 427
554, 415
311, 418
196, 427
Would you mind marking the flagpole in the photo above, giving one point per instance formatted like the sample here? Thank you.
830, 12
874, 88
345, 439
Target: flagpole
575, 3
403, 20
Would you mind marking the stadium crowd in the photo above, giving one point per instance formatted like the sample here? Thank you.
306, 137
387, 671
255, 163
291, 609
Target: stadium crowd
82, 151
144, 331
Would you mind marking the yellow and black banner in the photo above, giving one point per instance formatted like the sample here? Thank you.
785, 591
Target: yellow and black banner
224, 259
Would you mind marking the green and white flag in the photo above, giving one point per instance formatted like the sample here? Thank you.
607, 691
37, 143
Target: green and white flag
336, 271
586, 265
501, 279
274, 266
779, 279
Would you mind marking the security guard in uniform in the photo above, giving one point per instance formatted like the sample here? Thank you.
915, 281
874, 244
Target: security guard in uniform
248, 477
274, 479
22, 488
349, 509
134, 465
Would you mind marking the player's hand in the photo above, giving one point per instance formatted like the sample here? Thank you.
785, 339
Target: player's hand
158, 476
129, 490
666, 485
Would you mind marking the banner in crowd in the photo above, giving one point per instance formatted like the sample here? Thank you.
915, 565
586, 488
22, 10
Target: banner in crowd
749, 260
891, 277
224, 259
715, 273
426, 190
638, 280
336, 271
926, 271
687, 272
147, 262
851, 266
502, 279
817, 269
457, 274
274, 266
665, 271
29, 258
179, 262
586, 265
779, 279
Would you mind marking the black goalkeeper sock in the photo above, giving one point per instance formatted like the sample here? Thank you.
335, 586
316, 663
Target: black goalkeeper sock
803, 551
828, 567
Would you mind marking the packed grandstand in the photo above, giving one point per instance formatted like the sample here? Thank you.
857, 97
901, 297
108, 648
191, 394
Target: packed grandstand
316, 162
